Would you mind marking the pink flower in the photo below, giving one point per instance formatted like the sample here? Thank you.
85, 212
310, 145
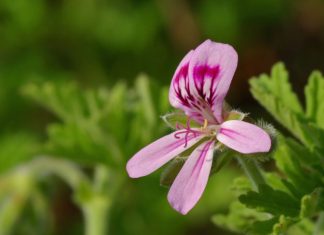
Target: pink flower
199, 87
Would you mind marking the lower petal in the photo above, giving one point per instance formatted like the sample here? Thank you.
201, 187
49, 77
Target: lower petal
244, 137
191, 181
160, 152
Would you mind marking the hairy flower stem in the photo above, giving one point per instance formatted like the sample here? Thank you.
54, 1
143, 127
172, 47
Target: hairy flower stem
253, 172
319, 228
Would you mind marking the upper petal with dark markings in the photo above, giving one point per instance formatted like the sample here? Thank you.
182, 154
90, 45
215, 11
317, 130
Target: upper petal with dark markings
202, 80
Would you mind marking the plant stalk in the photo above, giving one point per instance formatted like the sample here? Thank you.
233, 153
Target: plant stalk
96, 217
253, 172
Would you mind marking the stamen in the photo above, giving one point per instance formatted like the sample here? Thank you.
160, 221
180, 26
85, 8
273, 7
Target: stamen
186, 130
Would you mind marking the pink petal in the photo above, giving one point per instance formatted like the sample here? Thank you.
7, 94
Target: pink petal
160, 152
244, 137
211, 69
179, 93
202, 80
191, 181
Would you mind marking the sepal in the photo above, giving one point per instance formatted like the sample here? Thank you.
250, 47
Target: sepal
178, 118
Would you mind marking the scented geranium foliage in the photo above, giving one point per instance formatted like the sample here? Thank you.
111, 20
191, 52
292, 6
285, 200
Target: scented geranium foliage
198, 88
90, 132
292, 200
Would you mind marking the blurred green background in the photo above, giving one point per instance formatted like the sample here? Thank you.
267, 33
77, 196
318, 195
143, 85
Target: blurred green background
101, 43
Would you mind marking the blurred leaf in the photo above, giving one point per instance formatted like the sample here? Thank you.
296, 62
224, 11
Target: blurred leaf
282, 225
241, 219
97, 124
241, 185
16, 149
82, 134
86, 145
312, 203
64, 100
264, 226
303, 227
314, 92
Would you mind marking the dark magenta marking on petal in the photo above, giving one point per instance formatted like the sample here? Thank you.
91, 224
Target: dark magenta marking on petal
183, 74
201, 159
203, 101
177, 143
200, 74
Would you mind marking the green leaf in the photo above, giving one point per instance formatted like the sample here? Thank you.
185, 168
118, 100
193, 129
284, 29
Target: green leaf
312, 203
100, 125
275, 94
241, 219
278, 86
61, 99
263, 227
314, 92
145, 96
270, 200
141, 127
241, 185
282, 225
302, 227
86, 145
288, 159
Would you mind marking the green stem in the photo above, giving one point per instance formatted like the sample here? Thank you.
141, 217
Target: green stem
96, 213
69, 172
21, 185
253, 172
94, 197
319, 228
18, 186
96, 206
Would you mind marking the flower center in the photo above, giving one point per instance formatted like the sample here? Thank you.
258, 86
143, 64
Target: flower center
207, 130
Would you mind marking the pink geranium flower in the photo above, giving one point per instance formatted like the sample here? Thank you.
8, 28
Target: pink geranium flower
199, 87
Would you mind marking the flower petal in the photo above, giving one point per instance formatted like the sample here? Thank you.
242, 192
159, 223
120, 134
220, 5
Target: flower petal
179, 93
160, 152
202, 80
244, 137
211, 69
191, 181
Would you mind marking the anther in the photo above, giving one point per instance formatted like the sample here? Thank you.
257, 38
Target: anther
205, 123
